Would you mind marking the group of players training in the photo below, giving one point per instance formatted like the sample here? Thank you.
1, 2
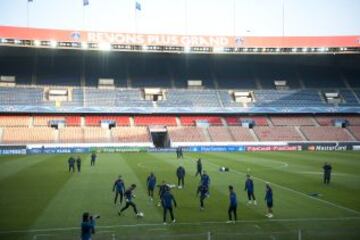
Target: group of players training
167, 200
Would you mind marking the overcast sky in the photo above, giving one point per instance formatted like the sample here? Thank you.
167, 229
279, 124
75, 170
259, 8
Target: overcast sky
198, 17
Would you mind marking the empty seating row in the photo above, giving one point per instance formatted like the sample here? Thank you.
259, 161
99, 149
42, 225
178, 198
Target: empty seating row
258, 120
326, 133
292, 121
186, 134
278, 134
96, 120
191, 120
155, 120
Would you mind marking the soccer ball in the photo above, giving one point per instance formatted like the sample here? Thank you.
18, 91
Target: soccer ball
140, 214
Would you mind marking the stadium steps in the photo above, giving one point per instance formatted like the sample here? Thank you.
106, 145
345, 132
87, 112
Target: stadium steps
270, 123
350, 134
206, 135
302, 84
223, 121
315, 122
178, 122
301, 133
219, 99
132, 121
57, 135
31, 121
253, 134
82, 121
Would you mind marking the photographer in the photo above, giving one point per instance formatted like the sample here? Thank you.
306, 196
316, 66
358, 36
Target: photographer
88, 226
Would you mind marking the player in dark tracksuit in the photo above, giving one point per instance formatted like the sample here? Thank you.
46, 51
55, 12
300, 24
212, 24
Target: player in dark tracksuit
119, 189
151, 183
180, 173
179, 152
233, 205
269, 200
205, 180
162, 189
202, 190
78, 164
327, 173
71, 163
166, 202
198, 167
93, 159
129, 200
249, 188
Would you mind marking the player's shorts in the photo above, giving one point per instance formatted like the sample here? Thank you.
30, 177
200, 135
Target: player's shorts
269, 204
151, 188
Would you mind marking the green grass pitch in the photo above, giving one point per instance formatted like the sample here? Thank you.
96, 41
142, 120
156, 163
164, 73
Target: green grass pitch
40, 200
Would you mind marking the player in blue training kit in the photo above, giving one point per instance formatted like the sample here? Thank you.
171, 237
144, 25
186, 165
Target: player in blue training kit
128, 198
269, 200
249, 188
71, 163
233, 205
198, 167
180, 173
205, 180
151, 183
202, 190
87, 227
166, 202
327, 173
119, 189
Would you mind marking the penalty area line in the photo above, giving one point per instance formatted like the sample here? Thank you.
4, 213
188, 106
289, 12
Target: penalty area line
259, 221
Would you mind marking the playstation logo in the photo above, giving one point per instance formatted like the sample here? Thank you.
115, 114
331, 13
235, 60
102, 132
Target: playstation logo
75, 36
239, 41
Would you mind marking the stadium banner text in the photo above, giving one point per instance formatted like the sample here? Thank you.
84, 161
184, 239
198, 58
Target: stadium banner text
23, 33
13, 150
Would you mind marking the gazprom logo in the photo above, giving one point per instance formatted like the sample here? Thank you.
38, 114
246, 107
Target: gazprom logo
75, 36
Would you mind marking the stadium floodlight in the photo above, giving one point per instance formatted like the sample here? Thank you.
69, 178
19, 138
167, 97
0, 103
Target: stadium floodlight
313, 49
187, 49
245, 49
37, 43
304, 49
294, 49
3, 40
84, 45
322, 49
104, 46
278, 49
53, 44
263, 49
145, 48
16, 41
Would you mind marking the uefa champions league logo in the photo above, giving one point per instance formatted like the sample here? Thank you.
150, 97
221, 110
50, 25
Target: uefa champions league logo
239, 41
75, 36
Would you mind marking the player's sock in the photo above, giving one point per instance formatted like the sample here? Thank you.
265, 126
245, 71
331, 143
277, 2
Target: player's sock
174, 221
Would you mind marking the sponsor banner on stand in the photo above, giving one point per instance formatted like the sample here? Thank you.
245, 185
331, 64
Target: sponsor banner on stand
118, 149
57, 150
356, 147
41, 34
328, 147
273, 148
12, 150
215, 149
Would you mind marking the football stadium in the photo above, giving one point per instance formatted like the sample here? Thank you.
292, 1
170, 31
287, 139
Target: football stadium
179, 119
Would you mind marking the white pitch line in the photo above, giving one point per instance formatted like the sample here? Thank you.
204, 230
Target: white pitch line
284, 220
294, 191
